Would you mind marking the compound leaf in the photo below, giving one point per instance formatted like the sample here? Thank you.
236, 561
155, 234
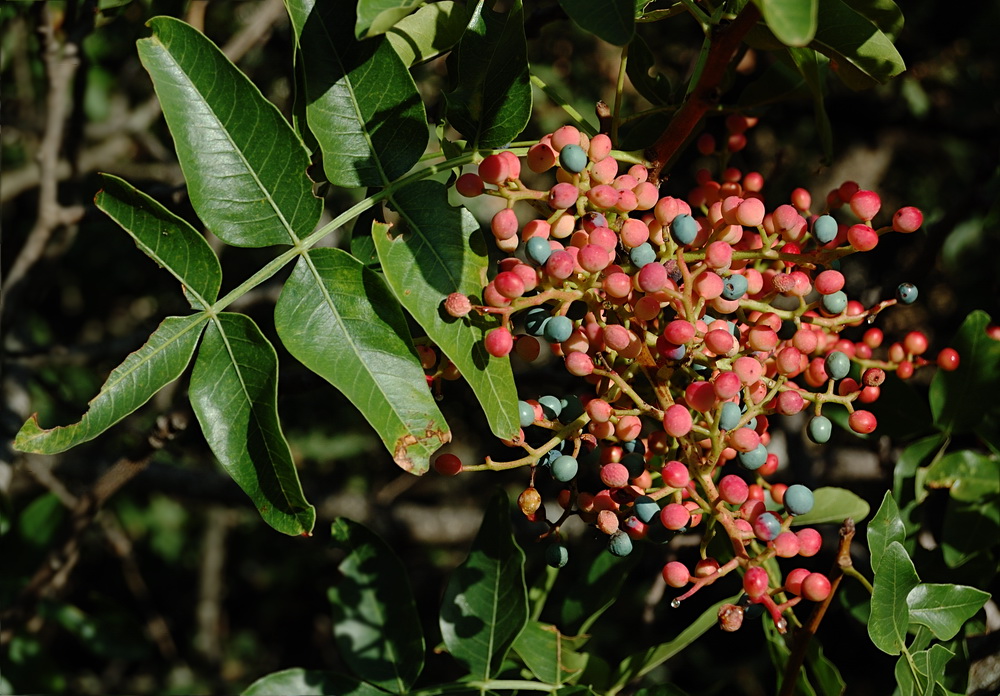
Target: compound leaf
361, 102
436, 250
491, 100
340, 320
165, 238
245, 167
485, 605
143, 373
234, 391
375, 620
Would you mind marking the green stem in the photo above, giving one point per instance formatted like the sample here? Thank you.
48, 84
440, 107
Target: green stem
851, 571
557, 99
619, 88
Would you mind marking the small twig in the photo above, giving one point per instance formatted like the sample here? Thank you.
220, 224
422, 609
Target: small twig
804, 634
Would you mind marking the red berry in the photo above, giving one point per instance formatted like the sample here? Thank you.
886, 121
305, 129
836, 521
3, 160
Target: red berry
448, 464
862, 422
793, 581
908, 219
948, 359
816, 587
733, 489
675, 574
494, 169
499, 342
755, 582
810, 541
469, 185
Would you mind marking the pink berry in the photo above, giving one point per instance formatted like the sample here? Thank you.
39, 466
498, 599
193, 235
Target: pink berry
675, 516
541, 158
560, 265
679, 332
948, 359
862, 422
614, 475
733, 489
865, 204
677, 421
793, 581
600, 147
786, 545
579, 364
862, 237
563, 195
829, 282
457, 305
499, 342
509, 284
494, 169
755, 582
504, 224
810, 541
652, 277
675, 474
675, 574
469, 185
566, 135
908, 219
816, 587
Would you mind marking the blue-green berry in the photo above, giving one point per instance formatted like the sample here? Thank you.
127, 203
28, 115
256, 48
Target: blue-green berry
536, 319
558, 329
835, 302
565, 468
735, 287
754, 459
573, 159
620, 544
730, 415
906, 293
646, 509
767, 526
825, 229
556, 555
551, 406
525, 413
537, 249
642, 254
798, 499
837, 365
684, 229
819, 429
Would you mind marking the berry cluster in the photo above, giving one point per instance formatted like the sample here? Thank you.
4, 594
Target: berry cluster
694, 322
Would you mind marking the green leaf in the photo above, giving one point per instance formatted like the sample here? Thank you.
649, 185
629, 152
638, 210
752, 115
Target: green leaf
588, 597
885, 14
610, 20
361, 102
143, 373
428, 32
491, 100
165, 238
485, 604
834, 505
865, 57
780, 652
826, 676
968, 475
245, 167
969, 530
792, 21
310, 682
930, 664
915, 456
378, 16
642, 663
961, 399
890, 616
340, 320
234, 395
884, 529
644, 75
549, 654
944, 608
434, 251
375, 620
813, 68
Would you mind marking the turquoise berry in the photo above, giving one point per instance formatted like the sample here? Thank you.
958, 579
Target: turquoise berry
646, 509
573, 159
754, 459
819, 429
551, 406
684, 229
635, 463
752, 423
565, 468
825, 229
642, 255
837, 365
620, 544
734, 288
538, 250
556, 555
798, 499
730, 415
525, 413
558, 329
767, 526
906, 293
633, 446
571, 409
835, 302
536, 319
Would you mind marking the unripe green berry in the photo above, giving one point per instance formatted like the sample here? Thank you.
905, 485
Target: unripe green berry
525, 413
798, 500
556, 555
906, 293
573, 159
564, 468
819, 429
837, 365
620, 544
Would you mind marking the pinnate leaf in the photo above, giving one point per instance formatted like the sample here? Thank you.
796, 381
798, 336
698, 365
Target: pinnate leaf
611, 20
245, 167
234, 395
375, 618
792, 21
884, 529
340, 320
310, 682
491, 100
485, 604
944, 608
895, 577
361, 102
165, 238
436, 250
864, 56
143, 373
832, 504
